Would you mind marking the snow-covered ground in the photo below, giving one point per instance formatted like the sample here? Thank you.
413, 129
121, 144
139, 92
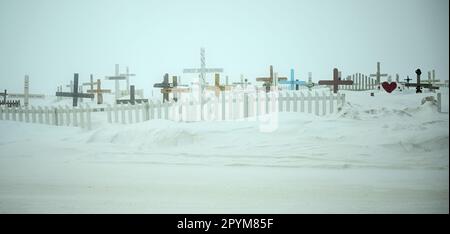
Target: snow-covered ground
386, 154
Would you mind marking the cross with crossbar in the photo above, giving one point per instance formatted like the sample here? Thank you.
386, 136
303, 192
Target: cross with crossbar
378, 74
217, 88
294, 84
270, 81
75, 94
26, 92
336, 81
99, 91
132, 99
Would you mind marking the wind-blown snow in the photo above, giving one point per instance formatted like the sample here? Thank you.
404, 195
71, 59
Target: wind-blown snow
386, 153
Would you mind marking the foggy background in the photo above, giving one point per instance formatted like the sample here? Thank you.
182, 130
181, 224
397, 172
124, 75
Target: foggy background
52, 39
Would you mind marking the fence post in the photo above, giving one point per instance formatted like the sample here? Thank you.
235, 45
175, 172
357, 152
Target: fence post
88, 117
302, 102
81, 111
47, 115
55, 116
309, 103
67, 112
130, 113
152, 109
75, 117
222, 95
116, 112
324, 103
1, 112
122, 112
13, 113
40, 115
331, 101
108, 112
166, 110
316, 103
439, 102
136, 112
245, 105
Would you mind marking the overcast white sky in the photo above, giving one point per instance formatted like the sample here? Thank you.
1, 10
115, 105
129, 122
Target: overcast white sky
52, 39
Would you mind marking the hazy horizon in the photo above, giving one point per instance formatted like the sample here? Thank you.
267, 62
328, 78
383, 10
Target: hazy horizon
50, 40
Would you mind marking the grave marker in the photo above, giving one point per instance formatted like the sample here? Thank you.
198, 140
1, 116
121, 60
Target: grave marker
167, 87
202, 70
132, 99
117, 77
336, 81
271, 80
75, 94
217, 88
378, 74
294, 84
26, 92
418, 85
99, 91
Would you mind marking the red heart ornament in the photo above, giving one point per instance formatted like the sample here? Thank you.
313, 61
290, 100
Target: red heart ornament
389, 87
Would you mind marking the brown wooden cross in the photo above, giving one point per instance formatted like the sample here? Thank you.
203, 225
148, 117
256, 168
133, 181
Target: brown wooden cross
99, 91
336, 81
75, 94
217, 87
269, 81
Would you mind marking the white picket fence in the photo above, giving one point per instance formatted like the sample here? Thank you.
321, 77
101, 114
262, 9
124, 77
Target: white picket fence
58, 116
361, 82
229, 106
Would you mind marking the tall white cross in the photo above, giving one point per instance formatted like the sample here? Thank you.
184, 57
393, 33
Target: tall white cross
117, 77
202, 70
127, 75
26, 92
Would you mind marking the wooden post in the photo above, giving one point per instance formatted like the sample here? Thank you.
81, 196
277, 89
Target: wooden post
116, 113
152, 109
67, 112
295, 104
324, 103
439, 101
122, 112
280, 100
302, 102
137, 108
88, 118
40, 113
55, 116
108, 112
130, 113
158, 106
27, 115
245, 105
331, 100
309, 103
316, 103
222, 95
81, 111
19, 112
47, 115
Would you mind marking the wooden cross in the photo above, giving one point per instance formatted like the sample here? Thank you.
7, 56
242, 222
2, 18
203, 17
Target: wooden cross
132, 99
294, 84
127, 75
99, 91
270, 81
91, 84
217, 87
336, 81
203, 70
26, 92
378, 75
75, 94
418, 85
167, 87
117, 77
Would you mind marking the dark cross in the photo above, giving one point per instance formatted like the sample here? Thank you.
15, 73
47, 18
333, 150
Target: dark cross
91, 84
132, 99
418, 85
99, 91
167, 87
75, 94
336, 81
269, 81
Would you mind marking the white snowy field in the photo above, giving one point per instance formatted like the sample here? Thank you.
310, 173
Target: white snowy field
382, 154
